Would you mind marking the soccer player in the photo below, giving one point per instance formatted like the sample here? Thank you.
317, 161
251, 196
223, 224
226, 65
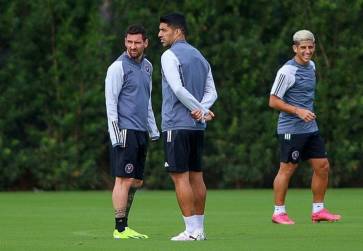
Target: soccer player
188, 92
130, 119
293, 95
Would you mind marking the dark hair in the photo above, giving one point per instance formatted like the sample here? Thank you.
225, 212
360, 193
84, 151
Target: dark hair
175, 20
136, 29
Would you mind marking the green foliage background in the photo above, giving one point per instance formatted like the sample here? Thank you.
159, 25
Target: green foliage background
54, 56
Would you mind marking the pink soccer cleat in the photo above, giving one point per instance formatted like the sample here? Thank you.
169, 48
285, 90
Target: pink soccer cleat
282, 218
325, 215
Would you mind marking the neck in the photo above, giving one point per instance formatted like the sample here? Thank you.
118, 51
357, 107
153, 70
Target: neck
180, 37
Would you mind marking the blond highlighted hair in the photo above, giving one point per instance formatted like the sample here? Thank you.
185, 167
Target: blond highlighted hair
303, 35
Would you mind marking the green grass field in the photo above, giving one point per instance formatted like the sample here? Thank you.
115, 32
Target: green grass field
235, 220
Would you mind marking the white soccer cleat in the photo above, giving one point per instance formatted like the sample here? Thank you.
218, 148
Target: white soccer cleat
185, 236
199, 236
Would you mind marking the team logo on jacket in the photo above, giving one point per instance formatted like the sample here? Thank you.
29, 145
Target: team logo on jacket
295, 155
147, 68
129, 168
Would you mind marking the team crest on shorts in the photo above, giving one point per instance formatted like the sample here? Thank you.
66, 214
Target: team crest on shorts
295, 155
129, 168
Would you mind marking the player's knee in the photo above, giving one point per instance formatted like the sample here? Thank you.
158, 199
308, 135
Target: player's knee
180, 178
287, 169
196, 178
124, 182
118, 181
325, 166
322, 169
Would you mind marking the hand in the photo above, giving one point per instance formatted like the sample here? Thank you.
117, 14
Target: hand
197, 114
209, 116
154, 136
153, 139
305, 114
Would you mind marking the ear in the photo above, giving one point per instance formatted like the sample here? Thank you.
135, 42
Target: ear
294, 47
178, 32
125, 42
146, 43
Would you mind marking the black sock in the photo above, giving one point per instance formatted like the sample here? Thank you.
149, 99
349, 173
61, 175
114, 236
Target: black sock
120, 224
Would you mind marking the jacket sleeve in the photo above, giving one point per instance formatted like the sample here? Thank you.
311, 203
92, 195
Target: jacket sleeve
210, 93
170, 68
152, 128
113, 86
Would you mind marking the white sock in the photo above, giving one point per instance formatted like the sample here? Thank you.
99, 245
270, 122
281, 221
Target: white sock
190, 224
317, 207
280, 209
200, 222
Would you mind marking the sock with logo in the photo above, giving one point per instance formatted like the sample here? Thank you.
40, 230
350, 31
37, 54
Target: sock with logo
279, 209
317, 207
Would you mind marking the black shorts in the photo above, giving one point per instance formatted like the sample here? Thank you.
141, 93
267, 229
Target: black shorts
128, 159
296, 147
183, 150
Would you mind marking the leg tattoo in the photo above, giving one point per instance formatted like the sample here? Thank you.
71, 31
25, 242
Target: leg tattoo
130, 199
120, 212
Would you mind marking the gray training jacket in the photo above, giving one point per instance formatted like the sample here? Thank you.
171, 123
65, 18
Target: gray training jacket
187, 84
128, 87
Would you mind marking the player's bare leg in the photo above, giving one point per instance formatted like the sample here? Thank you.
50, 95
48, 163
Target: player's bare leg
319, 182
200, 194
319, 185
186, 199
184, 193
281, 184
122, 198
119, 200
199, 191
